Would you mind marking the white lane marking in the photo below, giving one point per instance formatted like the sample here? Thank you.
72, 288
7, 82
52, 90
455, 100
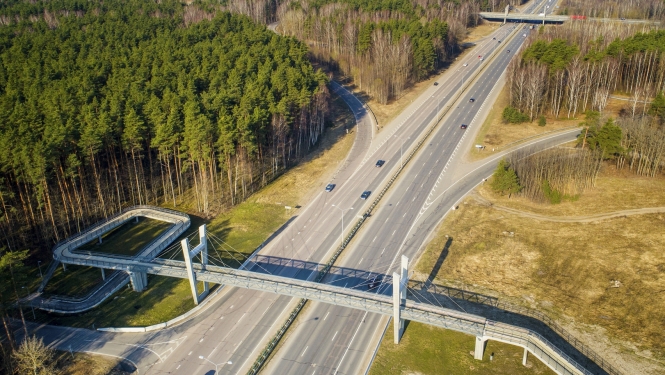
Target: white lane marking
333, 339
190, 353
324, 318
374, 239
201, 340
394, 232
349, 346
178, 367
243, 315
303, 352
361, 260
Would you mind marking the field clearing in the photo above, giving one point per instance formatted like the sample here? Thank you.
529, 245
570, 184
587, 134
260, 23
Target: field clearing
242, 228
428, 350
129, 238
496, 135
599, 279
87, 364
481, 31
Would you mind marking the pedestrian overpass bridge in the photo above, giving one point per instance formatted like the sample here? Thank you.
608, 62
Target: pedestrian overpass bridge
398, 305
550, 18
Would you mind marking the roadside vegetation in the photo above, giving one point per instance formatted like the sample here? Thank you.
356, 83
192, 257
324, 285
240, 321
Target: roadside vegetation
637, 9
597, 275
129, 238
431, 350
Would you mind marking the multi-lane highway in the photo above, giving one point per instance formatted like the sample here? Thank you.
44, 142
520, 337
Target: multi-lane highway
235, 328
335, 340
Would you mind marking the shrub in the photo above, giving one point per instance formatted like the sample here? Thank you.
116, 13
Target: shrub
542, 121
514, 116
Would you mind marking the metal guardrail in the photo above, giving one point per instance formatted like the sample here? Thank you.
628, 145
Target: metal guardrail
481, 299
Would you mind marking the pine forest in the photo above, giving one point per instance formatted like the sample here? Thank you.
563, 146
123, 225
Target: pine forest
116, 103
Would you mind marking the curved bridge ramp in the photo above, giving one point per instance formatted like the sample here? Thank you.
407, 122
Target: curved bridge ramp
67, 252
69, 305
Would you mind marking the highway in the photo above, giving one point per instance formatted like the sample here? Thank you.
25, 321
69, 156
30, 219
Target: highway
336, 340
235, 328
253, 317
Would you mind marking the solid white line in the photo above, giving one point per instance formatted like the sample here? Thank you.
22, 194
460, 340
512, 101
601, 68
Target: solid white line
351, 342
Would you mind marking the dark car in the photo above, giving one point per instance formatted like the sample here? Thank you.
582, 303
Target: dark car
365, 194
464, 126
472, 100
379, 163
508, 51
436, 83
375, 282
330, 187
493, 38
499, 41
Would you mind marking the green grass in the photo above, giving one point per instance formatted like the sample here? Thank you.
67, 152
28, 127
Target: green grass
164, 299
242, 228
129, 238
77, 281
427, 350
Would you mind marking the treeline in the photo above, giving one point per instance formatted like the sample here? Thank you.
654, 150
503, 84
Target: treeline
384, 46
552, 175
118, 103
635, 9
574, 68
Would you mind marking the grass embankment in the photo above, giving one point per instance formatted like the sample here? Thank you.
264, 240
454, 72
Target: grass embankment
243, 228
77, 281
129, 238
431, 350
86, 364
569, 269
496, 135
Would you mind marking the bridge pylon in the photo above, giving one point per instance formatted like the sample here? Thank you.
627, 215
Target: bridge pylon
189, 255
400, 282
505, 15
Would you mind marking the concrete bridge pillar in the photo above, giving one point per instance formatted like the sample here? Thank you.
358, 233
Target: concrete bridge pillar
481, 342
103, 274
99, 239
505, 14
139, 280
189, 255
526, 353
399, 298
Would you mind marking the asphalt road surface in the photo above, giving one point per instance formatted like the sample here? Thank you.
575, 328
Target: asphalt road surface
233, 331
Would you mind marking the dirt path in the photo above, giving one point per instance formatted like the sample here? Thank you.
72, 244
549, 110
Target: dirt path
572, 219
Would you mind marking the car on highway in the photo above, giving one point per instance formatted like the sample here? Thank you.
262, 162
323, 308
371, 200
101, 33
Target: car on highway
499, 41
365, 194
464, 126
524, 35
472, 100
465, 64
380, 163
330, 187
375, 282
508, 51
493, 38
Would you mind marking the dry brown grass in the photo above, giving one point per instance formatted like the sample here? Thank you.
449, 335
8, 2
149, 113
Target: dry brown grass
297, 186
497, 135
567, 269
86, 364
481, 31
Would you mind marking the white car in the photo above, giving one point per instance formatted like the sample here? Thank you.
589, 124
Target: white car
465, 65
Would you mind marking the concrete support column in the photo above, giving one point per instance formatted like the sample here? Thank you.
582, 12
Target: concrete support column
189, 255
505, 15
398, 322
136, 219
526, 353
481, 342
103, 274
139, 280
64, 267
400, 283
99, 238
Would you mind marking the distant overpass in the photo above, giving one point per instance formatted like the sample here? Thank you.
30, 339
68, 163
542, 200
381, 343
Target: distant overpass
550, 18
